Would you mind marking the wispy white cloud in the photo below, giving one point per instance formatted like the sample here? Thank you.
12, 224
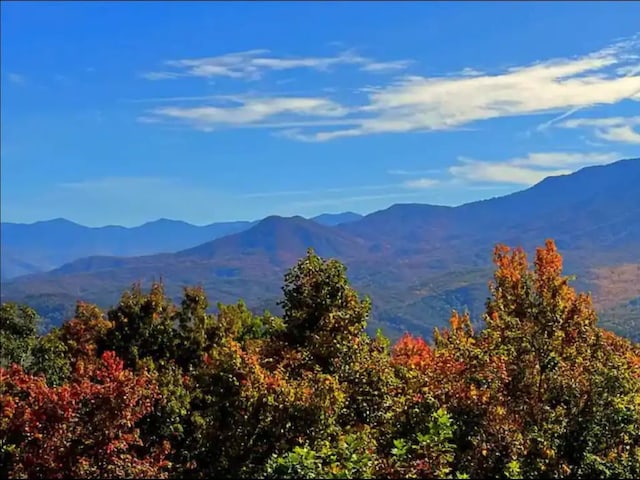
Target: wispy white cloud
560, 86
355, 199
414, 184
439, 103
161, 75
564, 159
620, 134
246, 111
284, 193
470, 72
413, 172
630, 70
612, 129
386, 66
504, 172
252, 64
16, 78
190, 98
116, 183
421, 183
527, 170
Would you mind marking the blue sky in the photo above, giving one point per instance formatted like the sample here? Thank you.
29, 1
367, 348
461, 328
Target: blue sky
121, 113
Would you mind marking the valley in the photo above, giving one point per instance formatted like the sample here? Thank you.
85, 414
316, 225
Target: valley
416, 262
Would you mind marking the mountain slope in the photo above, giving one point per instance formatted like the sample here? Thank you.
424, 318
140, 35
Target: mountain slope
49, 244
281, 240
415, 261
333, 219
261, 252
43, 246
607, 188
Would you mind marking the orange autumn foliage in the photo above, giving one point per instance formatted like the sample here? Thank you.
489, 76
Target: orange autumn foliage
412, 352
540, 391
85, 428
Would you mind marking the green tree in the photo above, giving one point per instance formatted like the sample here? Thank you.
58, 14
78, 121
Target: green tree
554, 376
322, 312
351, 455
50, 357
18, 334
142, 326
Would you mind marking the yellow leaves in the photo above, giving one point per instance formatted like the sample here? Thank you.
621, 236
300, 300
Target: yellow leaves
512, 264
548, 453
473, 392
477, 396
634, 361
612, 456
412, 352
273, 382
511, 388
548, 263
455, 321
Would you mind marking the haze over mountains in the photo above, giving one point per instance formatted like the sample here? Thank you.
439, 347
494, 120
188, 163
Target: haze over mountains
42, 246
417, 262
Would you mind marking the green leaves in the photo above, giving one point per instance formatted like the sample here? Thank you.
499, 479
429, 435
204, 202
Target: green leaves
155, 388
18, 328
319, 300
427, 454
349, 456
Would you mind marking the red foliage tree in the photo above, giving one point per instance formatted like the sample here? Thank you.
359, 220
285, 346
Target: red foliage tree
85, 428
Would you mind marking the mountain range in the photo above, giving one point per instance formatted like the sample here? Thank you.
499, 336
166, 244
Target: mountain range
416, 261
43, 246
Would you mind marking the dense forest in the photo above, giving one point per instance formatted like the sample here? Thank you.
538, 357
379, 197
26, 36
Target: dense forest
156, 389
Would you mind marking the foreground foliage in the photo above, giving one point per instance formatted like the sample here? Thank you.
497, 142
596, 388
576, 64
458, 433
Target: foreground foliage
155, 389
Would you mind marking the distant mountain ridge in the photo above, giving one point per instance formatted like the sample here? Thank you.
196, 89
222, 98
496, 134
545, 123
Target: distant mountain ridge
417, 262
45, 245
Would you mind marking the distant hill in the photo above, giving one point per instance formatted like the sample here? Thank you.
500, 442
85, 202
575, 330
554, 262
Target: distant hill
49, 244
332, 219
417, 262
280, 241
43, 246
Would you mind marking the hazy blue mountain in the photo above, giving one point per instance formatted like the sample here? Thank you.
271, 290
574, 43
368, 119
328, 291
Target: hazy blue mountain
332, 219
415, 261
43, 246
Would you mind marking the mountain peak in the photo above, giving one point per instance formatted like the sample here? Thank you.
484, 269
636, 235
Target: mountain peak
277, 221
57, 222
333, 219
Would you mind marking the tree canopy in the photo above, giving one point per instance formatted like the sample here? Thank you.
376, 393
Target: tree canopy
154, 389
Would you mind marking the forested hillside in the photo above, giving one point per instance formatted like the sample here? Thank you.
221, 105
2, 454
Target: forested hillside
152, 388
43, 246
417, 262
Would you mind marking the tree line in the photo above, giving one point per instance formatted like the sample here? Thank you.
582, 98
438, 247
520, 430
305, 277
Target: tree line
151, 388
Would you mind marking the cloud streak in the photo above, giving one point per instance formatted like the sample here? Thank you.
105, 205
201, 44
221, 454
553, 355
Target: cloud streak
421, 183
355, 199
253, 64
413, 172
414, 184
16, 78
246, 111
612, 129
284, 193
417, 103
412, 103
527, 170
116, 183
